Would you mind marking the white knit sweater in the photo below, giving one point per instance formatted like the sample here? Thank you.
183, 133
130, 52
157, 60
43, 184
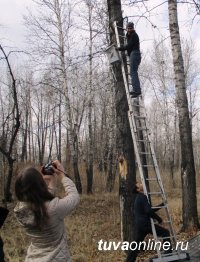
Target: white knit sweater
50, 243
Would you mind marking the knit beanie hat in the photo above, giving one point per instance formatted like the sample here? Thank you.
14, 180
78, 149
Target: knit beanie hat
130, 24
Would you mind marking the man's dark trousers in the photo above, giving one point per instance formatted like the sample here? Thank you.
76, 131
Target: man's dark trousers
140, 236
1, 251
135, 59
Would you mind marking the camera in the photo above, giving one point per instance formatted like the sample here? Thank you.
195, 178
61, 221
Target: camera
48, 169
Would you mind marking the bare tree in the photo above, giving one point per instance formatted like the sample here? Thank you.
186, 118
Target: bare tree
124, 142
188, 174
90, 152
14, 115
111, 142
51, 30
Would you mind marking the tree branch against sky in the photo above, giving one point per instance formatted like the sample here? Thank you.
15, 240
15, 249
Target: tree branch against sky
146, 15
151, 17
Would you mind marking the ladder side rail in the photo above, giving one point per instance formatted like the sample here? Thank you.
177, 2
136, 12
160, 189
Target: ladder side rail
133, 131
123, 67
159, 181
136, 146
154, 158
142, 148
172, 232
133, 128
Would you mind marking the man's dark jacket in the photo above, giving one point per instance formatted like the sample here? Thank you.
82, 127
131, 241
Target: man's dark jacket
133, 43
143, 212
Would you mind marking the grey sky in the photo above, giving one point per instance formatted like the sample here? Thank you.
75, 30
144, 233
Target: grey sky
159, 18
11, 21
12, 32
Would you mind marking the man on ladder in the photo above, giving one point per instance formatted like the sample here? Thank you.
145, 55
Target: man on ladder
144, 147
133, 50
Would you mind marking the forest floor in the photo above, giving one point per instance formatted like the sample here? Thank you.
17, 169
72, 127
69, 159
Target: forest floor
96, 218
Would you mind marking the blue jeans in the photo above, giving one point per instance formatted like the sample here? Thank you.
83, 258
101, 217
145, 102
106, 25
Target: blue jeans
135, 59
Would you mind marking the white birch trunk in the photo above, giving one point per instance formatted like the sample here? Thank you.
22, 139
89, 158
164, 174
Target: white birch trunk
188, 175
71, 129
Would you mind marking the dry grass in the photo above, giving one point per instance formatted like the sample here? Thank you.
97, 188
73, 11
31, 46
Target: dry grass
97, 217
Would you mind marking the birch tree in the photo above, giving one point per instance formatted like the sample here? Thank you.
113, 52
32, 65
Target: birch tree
50, 28
188, 174
90, 151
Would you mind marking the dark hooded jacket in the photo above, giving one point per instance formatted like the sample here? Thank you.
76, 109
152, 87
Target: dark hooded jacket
143, 212
133, 43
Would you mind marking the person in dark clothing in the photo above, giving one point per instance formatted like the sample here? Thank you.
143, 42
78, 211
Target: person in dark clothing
133, 50
143, 213
1, 250
3, 214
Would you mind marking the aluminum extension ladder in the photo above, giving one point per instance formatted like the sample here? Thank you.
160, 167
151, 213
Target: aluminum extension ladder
146, 159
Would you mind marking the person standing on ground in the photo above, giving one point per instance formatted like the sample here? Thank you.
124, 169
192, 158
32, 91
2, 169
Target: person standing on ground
3, 214
42, 214
143, 212
133, 50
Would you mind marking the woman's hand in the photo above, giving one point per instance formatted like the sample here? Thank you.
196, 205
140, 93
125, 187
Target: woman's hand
58, 169
49, 180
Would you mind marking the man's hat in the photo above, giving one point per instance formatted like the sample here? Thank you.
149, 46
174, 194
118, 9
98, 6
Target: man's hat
130, 24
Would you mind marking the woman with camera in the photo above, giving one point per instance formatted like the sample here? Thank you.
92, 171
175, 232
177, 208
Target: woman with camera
42, 214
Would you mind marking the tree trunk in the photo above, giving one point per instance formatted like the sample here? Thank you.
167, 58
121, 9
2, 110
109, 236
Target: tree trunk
59, 131
25, 137
111, 161
89, 168
123, 137
14, 132
188, 176
73, 139
111, 173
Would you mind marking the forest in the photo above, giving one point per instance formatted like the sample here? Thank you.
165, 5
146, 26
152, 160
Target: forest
61, 99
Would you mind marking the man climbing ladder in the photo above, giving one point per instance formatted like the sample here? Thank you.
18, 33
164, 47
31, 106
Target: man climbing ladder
152, 183
133, 50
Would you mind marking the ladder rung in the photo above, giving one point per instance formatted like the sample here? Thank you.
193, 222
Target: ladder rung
148, 165
164, 255
152, 179
170, 236
171, 257
167, 221
122, 36
155, 193
121, 27
159, 207
140, 117
142, 140
142, 129
144, 153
